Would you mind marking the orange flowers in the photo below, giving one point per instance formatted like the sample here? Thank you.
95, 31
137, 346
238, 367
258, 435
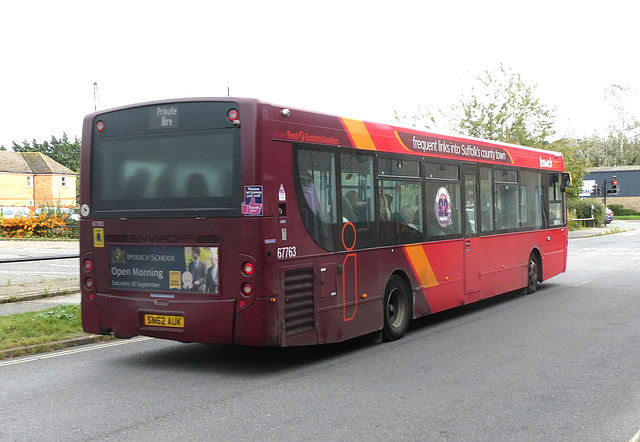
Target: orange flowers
43, 225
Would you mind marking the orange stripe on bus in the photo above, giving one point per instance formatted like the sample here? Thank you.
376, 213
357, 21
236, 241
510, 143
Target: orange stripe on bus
360, 136
421, 265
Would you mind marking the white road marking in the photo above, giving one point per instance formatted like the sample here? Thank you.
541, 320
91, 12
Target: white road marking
84, 348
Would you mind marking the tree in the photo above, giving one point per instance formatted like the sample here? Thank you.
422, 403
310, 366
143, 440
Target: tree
623, 133
502, 108
621, 144
63, 151
575, 162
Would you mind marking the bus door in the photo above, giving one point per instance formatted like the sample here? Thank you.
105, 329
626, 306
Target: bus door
472, 252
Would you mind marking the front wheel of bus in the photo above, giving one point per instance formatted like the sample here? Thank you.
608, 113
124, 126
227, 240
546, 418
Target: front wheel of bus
532, 274
397, 309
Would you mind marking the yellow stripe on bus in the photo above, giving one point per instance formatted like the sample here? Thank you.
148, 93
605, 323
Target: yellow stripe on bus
421, 265
358, 133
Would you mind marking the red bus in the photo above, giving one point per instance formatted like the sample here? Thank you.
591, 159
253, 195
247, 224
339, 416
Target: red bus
222, 220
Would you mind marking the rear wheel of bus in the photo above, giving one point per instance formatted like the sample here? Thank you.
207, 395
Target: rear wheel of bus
397, 309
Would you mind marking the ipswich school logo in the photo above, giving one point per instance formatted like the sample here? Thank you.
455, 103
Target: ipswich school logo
118, 256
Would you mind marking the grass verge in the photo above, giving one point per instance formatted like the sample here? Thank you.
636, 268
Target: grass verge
35, 332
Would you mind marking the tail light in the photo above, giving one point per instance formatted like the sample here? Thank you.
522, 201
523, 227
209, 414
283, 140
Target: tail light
247, 289
248, 269
87, 265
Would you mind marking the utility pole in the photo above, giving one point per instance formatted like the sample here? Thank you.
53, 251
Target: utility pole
96, 96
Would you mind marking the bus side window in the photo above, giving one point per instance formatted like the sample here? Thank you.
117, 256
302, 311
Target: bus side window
556, 201
315, 190
357, 188
486, 200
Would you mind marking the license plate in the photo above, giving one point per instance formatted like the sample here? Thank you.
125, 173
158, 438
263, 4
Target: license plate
164, 321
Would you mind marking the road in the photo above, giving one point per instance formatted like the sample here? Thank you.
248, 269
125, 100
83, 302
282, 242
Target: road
37, 271
559, 365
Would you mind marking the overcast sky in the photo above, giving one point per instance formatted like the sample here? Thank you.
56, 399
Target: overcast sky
362, 59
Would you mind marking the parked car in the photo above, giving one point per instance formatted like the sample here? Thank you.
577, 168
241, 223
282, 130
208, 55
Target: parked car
609, 215
14, 212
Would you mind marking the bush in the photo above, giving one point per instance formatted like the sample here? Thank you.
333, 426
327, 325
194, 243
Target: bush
33, 226
582, 209
618, 210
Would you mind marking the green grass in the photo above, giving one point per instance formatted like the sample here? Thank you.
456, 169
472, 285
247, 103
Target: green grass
33, 328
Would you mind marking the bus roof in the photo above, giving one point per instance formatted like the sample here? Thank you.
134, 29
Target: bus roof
315, 128
298, 125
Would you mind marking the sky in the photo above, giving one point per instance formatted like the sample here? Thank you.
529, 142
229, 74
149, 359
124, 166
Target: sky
359, 59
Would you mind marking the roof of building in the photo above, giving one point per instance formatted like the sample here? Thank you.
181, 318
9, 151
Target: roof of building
35, 163
612, 168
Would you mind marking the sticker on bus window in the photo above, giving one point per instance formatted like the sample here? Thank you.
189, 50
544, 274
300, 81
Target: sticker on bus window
184, 269
443, 207
252, 205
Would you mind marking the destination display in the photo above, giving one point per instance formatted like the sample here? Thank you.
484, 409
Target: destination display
183, 269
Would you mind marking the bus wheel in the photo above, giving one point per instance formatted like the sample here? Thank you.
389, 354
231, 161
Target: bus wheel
397, 309
532, 274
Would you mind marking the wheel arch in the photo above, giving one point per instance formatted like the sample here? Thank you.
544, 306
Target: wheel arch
536, 252
407, 280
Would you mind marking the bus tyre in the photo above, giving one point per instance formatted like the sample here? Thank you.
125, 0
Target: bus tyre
532, 274
396, 309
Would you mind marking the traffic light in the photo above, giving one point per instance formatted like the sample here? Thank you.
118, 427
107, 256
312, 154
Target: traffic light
614, 185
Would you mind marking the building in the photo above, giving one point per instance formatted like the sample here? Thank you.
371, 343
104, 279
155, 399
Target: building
33, 179
628, 177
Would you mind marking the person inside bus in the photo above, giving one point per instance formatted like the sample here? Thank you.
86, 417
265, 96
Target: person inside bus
309, 191
349, 206
198, 269
197, 186
138, 184
385, 212
211, 280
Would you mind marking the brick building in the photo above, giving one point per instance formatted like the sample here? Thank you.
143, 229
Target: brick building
33, 179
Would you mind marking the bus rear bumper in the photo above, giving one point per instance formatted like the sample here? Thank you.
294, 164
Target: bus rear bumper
205, 321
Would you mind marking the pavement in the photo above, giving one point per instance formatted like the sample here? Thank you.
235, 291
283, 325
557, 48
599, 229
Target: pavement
621, 225
35, 296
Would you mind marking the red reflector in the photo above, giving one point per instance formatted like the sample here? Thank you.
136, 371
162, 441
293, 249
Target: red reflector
92, 296
232, 115
88, 283
247, 289
242, 303
88, 265
247, 268
100, 126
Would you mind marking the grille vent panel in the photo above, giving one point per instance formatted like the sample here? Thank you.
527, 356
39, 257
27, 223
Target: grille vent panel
299, 314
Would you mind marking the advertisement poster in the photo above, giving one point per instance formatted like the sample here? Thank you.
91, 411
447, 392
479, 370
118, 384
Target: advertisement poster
443, 207
183, 269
